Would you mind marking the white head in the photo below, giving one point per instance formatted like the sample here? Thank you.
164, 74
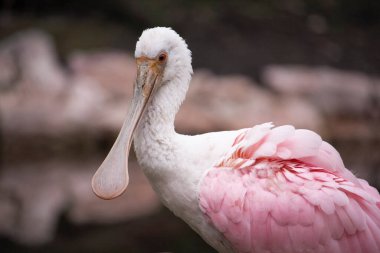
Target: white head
163, 73
158, 41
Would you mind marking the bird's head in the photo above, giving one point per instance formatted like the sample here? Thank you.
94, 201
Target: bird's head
164, 48
163, 60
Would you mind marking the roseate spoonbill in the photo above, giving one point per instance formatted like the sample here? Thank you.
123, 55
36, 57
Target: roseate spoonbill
260, 189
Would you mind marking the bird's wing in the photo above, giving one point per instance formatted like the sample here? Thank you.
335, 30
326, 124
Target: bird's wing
286, 142
285, 190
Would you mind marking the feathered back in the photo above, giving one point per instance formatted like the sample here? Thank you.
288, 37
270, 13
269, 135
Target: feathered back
286, 190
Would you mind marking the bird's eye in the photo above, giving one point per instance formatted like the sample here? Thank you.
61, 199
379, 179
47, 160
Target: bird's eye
162, 57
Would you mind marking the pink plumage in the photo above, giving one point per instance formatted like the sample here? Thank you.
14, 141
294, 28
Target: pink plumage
287, 191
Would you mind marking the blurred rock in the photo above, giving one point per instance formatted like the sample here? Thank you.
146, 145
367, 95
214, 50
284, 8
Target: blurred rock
114, 71
234, 102
336, 92
34, 196
41, 97
30, 58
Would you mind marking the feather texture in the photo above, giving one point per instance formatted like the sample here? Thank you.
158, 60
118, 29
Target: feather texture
286, 190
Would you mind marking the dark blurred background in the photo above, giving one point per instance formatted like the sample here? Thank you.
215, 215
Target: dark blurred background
66, 74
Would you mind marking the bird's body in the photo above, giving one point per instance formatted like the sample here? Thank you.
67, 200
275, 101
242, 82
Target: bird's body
260, 189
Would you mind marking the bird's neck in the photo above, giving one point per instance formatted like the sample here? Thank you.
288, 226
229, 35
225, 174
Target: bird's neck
155, 138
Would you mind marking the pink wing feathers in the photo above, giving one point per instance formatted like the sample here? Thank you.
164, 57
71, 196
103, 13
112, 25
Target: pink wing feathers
286, 190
